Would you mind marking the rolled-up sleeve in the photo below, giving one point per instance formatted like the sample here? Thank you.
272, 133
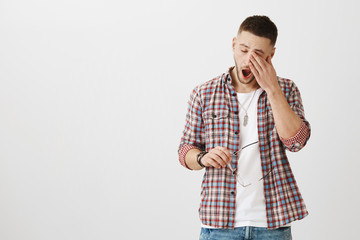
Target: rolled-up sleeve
299, 140
193, 134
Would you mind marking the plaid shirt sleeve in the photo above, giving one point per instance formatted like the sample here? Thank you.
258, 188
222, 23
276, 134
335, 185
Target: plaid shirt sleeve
298, 141
193, 134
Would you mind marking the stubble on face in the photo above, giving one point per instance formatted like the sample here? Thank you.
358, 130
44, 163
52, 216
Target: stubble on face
243, 45
238, 71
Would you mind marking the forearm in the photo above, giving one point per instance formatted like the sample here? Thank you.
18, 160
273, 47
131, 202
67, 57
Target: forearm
287, 123
191, 159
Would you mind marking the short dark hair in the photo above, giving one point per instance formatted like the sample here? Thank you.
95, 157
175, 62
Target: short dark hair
260, 26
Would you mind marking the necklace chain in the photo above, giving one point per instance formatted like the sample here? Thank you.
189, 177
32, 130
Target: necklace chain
246, 115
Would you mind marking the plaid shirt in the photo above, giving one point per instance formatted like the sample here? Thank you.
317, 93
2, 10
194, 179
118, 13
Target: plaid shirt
212, 120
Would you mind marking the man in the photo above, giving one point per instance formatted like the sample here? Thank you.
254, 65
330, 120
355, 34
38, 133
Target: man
238, 127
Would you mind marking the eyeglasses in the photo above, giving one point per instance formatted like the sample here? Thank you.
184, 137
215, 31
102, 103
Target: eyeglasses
239, 178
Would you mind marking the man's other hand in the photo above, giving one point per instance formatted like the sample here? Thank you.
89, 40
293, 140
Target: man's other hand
217, 157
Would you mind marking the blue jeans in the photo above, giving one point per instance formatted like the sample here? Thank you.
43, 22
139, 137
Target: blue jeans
246, 233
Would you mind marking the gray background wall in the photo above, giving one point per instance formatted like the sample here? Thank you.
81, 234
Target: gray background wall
93, 96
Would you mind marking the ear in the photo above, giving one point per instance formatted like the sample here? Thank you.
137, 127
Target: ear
268, 59
273, 52
233, 44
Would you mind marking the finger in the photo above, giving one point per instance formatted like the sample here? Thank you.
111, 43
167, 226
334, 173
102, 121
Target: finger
254, 70
227, 153
210, 162
214, 160
259, 60
224, 158
221, 158
255, 64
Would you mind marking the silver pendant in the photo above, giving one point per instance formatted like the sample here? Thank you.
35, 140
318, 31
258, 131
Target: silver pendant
245, 185
242, 183
245, 120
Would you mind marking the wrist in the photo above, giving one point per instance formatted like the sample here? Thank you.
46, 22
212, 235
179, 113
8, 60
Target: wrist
199, 156
273, 92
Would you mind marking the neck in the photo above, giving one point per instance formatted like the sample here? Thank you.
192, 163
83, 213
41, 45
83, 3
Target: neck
242, 87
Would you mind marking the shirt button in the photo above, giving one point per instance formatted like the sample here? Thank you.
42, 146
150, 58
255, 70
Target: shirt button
232, 193
236, 112
236, 132
235, 153
234, 94
233, 173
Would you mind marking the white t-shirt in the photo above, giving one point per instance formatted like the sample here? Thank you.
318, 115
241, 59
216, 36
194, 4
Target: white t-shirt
250, 199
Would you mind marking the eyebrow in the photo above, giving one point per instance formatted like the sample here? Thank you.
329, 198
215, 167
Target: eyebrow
257, 50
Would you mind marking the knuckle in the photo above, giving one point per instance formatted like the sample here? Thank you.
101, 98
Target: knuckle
214, 164
217, 158
211, 162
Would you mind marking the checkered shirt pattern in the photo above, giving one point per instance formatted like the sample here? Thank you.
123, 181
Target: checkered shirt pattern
212, 120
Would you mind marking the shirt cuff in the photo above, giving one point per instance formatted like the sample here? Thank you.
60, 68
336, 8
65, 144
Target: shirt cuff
299, 139
182, 153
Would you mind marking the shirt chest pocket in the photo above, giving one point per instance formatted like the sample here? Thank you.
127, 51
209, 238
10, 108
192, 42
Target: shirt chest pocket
217, 124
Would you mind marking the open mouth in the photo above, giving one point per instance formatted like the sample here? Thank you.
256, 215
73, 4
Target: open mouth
246, 73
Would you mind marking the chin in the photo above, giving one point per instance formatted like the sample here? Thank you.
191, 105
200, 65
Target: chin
247, 80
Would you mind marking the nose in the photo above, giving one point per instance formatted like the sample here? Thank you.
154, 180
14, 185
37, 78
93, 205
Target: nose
247, 59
